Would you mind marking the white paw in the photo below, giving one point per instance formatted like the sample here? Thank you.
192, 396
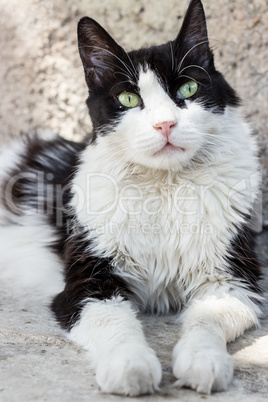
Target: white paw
129, 370
203, 366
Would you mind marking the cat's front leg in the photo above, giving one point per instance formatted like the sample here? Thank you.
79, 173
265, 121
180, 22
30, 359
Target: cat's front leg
124, 362
200, 358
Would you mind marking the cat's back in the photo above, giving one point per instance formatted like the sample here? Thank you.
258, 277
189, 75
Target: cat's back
35, 178
35, 171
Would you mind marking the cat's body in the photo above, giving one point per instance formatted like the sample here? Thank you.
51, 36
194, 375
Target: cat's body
151, 215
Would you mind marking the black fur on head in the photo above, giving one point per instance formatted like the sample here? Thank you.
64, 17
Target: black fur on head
109, 69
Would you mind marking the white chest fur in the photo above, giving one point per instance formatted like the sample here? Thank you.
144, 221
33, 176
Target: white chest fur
167, 232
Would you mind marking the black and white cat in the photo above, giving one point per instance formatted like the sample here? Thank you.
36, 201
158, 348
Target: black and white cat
149, 215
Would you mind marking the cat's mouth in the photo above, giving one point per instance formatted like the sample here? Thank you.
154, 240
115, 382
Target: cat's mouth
169, 150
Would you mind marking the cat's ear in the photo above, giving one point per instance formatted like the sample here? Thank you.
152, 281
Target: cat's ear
100, 54
192, 41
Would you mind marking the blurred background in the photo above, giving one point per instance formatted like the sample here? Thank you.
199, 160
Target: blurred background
41, 76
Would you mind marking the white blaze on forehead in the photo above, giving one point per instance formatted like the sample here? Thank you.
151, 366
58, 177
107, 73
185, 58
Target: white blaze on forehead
156, 100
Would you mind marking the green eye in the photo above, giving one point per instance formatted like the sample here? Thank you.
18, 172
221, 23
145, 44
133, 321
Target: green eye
128, 99
187, 90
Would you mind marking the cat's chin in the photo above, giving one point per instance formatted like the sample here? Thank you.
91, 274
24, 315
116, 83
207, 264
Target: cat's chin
169, 150
169, 157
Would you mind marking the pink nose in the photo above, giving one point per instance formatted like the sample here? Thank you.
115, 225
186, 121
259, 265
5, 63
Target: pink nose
165, 127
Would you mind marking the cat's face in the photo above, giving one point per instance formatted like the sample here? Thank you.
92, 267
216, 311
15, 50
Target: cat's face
159, 107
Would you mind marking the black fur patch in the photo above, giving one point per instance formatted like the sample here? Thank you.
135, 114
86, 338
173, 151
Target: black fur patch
86, 277
242, 260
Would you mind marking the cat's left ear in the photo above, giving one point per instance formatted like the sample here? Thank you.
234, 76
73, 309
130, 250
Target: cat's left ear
192, 42
100, 54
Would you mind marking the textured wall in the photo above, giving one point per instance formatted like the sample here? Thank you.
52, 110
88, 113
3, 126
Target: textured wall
41, 78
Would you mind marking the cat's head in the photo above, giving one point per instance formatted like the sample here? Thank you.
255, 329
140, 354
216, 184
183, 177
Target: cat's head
158, 106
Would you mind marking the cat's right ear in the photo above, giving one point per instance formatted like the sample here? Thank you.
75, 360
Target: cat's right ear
99, 52
192, 41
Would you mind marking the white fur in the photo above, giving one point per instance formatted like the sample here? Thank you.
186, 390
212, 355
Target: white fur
26, 258
124, 362
201, 362
200, 359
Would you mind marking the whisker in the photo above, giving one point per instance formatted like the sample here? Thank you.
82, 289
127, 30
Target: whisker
172, 57
134, 68
191, 78
201, 68
189, 51
119, 83
122, 72
132, 73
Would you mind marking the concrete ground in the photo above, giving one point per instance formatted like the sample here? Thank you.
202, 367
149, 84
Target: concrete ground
42, 85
